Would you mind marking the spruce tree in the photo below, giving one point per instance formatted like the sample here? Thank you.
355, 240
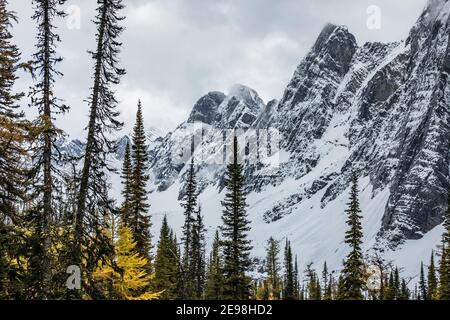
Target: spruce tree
444, 288
404, 293
422, 284
166, 263
352, 274
326, 282
12, 153
432, 280
198, 265
93, 202
5, 267
127, 178
289, 278
396, 285
390, 289
444, 265
44, 171
214, 276
262, 289
296, 280
140, 224
302, 295
189, 205
314, 288
236, 246
273, 268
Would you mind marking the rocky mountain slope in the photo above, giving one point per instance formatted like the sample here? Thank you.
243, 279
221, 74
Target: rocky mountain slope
380, 110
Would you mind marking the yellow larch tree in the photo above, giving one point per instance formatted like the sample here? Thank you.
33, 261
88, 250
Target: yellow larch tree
129, 277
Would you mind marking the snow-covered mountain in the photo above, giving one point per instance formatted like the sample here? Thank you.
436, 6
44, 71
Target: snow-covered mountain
378, 109
381, 110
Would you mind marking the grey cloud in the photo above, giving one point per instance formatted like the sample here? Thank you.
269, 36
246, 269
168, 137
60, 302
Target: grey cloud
177, 50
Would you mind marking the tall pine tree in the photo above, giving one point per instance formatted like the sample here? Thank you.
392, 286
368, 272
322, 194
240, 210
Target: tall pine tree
93, 202
140, 220
198, 265
273, 269
352, 274
326, 282
214, 275
127, 178
289, 273
189, 205
236, 246
444, 265
12, 137
44, 133
432, 290
296, 279
423, 294
166, 263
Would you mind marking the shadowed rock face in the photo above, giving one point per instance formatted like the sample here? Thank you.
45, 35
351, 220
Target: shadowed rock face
206, 108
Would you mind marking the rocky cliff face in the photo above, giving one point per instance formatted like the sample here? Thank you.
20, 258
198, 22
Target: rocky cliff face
378, 109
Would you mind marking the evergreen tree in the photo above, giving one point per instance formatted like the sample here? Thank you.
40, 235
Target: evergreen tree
444, 286
189, 205
332, 288
214, 276
132, 276
432, 280
352, 271
236, 246
404, 291
396, 285
43, 172
93, 202
141, 224
262, 289
444, 266
314, 288
127, 178
197, 263
302, 295
390, 289
415, 294
296, 280
289, 277
12, 137
326, 282
422, 284
166, 263
273, 268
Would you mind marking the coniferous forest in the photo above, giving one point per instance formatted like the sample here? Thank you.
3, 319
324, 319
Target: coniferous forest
64, 237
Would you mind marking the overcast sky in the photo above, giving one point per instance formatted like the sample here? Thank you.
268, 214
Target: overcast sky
177, 50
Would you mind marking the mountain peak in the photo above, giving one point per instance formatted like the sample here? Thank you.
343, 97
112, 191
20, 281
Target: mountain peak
241, 91
245, 94
241, 107
331, 34
206, 108
435, 10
